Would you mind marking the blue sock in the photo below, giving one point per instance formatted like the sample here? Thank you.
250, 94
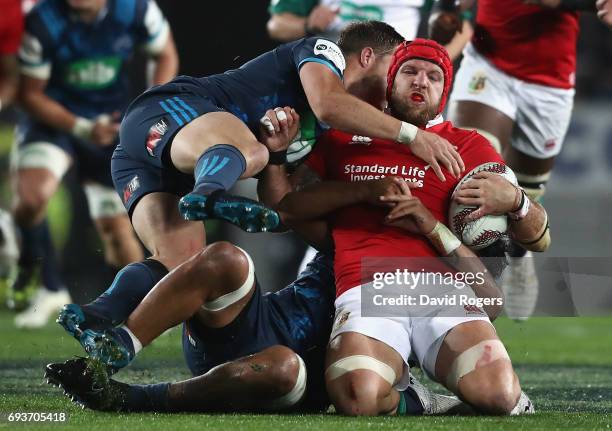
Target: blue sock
36, 250
130, 286
147, 398
50, 272
218, 169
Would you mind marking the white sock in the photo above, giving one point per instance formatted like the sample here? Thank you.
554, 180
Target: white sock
135, 341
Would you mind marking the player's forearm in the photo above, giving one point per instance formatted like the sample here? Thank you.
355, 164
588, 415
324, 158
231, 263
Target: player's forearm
166, 64
47, 111
345, 112
532, 232
9, 77
286, 27
465, 261
273, 185
319, 200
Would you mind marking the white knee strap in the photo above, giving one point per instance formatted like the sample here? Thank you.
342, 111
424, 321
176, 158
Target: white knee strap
41, 155
231, 298
493, 140
103, 201
360, 362
476, 356
296, 394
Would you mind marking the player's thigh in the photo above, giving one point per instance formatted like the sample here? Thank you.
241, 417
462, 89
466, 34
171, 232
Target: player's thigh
168, 237
210, 129
483, 98
525, 164
542, 121
475, 115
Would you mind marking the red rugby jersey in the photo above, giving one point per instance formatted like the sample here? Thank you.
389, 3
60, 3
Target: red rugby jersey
11, 26
358, 230
532, 43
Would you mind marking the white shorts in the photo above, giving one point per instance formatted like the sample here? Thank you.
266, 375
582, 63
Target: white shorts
541, 114
412, 337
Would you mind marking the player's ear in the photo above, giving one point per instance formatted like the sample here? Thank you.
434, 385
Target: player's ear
367, 57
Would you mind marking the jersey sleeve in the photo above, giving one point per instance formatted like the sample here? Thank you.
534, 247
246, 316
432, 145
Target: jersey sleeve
317, 157
321, 51
152, 26
11, 25
35, 49
296, 7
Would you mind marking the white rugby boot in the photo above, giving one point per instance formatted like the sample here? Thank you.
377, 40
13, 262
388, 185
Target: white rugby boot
44, 305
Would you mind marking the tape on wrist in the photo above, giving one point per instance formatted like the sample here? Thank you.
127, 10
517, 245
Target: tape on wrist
407, 133
277, 157
82, 128
443, 239
523, 208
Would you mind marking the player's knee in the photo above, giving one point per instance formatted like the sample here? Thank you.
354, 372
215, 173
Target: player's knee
493, 389
285, 369
256, 156
357, 393
30, 206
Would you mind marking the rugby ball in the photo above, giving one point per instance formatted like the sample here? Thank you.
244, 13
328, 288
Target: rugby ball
483, 232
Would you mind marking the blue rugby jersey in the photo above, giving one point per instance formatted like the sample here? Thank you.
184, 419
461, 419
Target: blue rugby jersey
266, 82
85, 63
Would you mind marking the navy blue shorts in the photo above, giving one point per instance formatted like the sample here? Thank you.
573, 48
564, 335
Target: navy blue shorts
299, 316
141, 164
91, 161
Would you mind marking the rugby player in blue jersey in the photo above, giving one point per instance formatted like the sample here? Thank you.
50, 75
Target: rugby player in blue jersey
195, 137
74, 88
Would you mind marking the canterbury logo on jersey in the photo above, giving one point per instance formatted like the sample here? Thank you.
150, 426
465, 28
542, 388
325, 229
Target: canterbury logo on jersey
93, 74
363, 140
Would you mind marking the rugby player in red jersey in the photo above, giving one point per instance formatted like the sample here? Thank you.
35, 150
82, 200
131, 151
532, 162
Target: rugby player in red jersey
456, 345
515, 86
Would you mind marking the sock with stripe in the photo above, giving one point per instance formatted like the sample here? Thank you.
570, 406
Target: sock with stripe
130, 286
409, 404
218, 169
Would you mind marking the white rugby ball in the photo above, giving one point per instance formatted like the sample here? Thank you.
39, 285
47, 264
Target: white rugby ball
483, 232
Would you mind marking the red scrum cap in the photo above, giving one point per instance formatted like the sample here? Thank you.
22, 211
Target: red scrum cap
424, 49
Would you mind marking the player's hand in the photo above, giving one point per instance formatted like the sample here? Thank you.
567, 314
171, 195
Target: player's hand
491, 193
551, 4
105, 131
373, 191
604, 11
436, 150
443, 26
278, 128
321, 18
410, 214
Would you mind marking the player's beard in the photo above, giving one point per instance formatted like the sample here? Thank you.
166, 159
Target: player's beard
419, 116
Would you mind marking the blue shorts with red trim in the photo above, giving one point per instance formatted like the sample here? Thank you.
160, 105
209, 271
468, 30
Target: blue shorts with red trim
140, 164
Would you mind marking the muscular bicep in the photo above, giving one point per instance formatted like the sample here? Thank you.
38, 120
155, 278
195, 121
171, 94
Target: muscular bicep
319, 81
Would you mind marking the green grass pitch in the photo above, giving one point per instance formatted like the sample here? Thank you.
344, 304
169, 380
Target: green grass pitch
565, 365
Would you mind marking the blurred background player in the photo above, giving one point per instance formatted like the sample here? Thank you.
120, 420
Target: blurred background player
518, 93
74, 88
11, 30
294, 19
604, 11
